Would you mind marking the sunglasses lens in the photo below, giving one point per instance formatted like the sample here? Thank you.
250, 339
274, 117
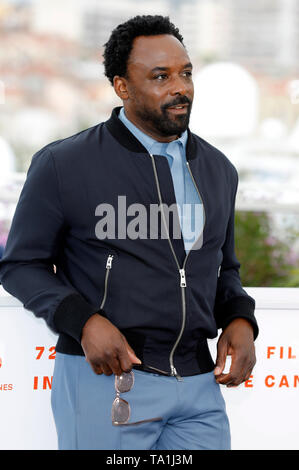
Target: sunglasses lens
120, 411
124, 382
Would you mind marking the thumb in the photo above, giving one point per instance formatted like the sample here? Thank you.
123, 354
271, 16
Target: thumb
133, 358
221, 358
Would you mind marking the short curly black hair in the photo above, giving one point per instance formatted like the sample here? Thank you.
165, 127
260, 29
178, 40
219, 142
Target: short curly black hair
119, 45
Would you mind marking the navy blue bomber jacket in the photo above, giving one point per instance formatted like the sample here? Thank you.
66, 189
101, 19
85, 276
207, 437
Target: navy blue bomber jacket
165, 302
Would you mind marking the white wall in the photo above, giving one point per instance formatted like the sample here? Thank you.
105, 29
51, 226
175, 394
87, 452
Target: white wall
264, 413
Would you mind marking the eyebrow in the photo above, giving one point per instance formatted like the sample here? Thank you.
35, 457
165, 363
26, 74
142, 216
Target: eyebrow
164, 69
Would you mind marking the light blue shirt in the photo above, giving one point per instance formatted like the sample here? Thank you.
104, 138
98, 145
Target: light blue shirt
185, 192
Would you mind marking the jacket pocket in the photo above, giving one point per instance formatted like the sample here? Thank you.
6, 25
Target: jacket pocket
109, 264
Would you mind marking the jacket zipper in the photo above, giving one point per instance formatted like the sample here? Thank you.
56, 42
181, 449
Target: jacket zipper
108, 268
182, 273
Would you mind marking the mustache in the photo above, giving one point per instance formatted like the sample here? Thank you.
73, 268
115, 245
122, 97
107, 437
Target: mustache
178, 101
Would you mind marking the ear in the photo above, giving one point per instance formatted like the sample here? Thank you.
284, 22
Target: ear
120, 87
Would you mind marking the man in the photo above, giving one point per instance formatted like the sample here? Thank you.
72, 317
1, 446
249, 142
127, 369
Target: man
142, 302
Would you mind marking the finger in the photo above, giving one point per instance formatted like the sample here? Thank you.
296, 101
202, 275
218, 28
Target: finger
106, 369
221, 358
228, 380
249, 372
115, 365
248, 375
236, 374
132, 356
96, 368
247, 368
125, 361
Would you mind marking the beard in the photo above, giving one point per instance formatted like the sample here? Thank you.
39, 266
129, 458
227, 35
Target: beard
165, 123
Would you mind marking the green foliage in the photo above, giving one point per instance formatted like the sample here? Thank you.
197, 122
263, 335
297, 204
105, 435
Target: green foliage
265, 260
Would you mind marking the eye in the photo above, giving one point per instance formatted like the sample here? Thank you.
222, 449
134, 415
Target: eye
160, 77
187, 73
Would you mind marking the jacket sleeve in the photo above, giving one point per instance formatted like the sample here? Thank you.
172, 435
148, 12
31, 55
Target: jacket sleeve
232, 301
26, 268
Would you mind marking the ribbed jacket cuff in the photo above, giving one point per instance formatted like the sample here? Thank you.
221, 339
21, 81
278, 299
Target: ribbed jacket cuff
72, 314
237, 307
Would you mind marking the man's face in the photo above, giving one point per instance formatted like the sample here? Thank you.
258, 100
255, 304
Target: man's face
158, 91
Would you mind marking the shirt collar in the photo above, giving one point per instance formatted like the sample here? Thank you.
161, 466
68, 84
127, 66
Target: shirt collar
147, 141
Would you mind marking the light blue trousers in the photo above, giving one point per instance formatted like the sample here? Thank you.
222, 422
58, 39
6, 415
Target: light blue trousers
192, 411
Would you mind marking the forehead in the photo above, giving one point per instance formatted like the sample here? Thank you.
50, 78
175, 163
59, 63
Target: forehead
157, 51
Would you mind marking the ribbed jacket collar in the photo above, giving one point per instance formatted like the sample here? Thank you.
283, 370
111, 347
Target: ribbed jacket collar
122, 134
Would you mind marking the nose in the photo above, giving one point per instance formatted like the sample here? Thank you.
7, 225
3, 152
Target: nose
179, 85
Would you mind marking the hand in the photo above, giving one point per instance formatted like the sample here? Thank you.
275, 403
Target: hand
236, 341
105, 347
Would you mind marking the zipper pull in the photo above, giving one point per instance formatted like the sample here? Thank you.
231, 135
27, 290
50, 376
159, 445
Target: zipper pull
175, 374
109, 262
219, 270
183, 278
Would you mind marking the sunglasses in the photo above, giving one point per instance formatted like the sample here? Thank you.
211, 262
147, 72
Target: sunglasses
121, 410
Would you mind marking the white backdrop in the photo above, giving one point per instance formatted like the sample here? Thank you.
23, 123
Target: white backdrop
264, 412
